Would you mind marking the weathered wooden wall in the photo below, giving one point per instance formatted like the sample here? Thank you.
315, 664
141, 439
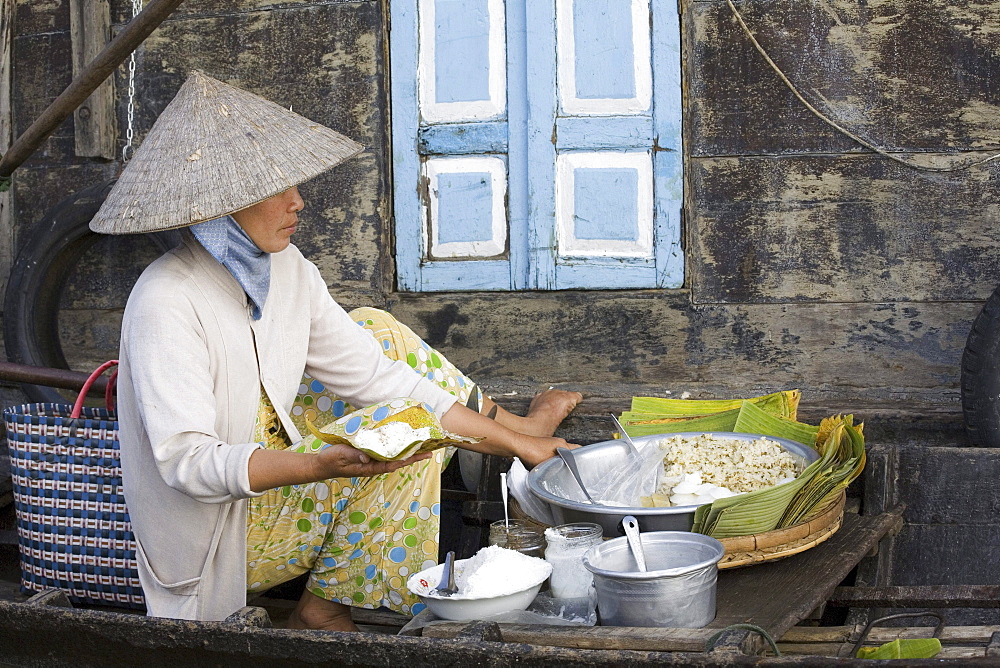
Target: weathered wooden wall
811, 261
324, 59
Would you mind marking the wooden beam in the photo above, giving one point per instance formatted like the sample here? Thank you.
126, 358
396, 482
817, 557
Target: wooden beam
930, 596
99, 69
94, 120
6, 228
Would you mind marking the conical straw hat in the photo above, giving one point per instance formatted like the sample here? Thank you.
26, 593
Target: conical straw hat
214, 150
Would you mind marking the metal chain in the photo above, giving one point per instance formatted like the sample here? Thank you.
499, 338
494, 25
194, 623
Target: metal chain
130, 132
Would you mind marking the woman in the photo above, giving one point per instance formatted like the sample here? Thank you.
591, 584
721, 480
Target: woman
223, 493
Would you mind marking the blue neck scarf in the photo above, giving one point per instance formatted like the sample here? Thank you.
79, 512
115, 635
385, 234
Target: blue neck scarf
226, 241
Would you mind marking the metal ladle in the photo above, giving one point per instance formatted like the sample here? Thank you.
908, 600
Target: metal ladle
570, 460
634, 451
634, 541
447, 585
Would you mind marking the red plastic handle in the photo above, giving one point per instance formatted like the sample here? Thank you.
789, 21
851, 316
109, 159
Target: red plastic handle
78, 406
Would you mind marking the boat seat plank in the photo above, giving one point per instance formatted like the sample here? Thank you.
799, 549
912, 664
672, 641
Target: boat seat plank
778, 595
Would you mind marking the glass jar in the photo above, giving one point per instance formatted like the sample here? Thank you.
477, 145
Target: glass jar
565, 547
518, 535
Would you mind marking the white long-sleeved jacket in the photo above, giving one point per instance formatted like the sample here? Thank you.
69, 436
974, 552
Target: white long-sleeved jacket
192, 363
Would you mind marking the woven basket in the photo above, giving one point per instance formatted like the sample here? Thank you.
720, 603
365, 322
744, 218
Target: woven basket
761, 547
73, 528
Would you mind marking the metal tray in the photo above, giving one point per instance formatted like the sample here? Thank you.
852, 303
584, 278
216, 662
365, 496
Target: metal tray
552, 482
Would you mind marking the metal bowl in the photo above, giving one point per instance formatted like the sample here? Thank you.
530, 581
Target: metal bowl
552, 482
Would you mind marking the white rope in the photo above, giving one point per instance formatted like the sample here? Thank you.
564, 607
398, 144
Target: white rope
130, 132
838, 128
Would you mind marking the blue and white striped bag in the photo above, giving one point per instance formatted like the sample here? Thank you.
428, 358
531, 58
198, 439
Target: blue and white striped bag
73, 528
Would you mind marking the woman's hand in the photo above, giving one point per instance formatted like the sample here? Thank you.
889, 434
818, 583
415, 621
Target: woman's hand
343, 461
277, 468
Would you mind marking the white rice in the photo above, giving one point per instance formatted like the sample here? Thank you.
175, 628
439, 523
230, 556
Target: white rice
737, 465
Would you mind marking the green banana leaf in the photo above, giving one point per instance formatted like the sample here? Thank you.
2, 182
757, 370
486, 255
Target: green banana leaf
763, 510
724, 421
754, 420
903, 648
783, 403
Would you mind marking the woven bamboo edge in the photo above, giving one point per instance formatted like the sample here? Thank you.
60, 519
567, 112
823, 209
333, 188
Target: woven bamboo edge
784, 542
755, 548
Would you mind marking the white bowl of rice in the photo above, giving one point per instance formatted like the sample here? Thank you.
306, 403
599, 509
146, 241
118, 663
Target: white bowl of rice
495, 580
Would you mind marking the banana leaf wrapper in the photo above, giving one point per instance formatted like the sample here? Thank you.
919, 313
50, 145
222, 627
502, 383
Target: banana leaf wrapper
415, 416
846, 447
784, 403
681, 415
752, 419
839, 443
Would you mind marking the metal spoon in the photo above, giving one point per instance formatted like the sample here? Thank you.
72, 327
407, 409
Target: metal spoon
447, 586
625, 437
634, 541
567, 456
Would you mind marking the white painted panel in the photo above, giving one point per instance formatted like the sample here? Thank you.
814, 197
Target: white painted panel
637, 164
432, 111
496, 169
567, 63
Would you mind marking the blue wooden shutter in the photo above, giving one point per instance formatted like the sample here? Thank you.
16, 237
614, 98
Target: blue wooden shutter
606, 208
573, 180
450, 145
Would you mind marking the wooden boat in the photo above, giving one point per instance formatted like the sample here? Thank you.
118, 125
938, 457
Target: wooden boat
782, 597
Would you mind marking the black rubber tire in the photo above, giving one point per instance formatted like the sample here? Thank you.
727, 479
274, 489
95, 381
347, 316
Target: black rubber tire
37, 279
981, 376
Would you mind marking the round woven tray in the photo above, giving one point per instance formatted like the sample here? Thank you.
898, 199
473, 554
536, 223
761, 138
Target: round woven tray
760, 547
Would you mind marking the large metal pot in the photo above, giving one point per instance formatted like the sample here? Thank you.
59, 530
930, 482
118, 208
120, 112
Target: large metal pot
677, 590
552, 482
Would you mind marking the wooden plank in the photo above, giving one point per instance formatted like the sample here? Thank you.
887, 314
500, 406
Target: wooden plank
657, 342
846, 59
777, 595
932, 596
881, 492
882, 634
94, 120
590, 637
6, 130
36, 83
933, 496
949, 554
462, 138
837, 229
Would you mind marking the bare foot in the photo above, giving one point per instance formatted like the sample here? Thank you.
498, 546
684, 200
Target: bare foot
545, 413
316, 613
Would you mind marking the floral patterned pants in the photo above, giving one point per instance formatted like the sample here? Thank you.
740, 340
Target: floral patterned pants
358, 538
